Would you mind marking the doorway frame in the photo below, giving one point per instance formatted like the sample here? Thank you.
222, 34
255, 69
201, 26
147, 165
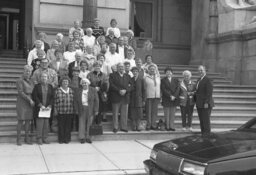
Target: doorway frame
7, 29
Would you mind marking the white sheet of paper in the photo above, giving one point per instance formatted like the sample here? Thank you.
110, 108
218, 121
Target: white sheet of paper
44, 113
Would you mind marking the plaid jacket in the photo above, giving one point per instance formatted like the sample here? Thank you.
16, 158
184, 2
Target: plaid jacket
64, 103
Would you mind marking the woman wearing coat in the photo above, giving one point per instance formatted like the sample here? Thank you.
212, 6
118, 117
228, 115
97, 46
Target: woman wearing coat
99, 81
187, 100
152, 94
170, 93
86, 105
25, 103
137, 99
43, 95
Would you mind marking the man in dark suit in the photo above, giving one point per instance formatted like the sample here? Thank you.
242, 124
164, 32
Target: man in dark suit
75, 63
120, 87
204, 101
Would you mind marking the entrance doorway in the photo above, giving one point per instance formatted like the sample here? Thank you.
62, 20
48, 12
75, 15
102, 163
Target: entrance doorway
15, 24
4, 20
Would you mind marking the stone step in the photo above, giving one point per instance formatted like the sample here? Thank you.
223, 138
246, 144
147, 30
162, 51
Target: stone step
10, 136
233, 86
20, 62
108, 126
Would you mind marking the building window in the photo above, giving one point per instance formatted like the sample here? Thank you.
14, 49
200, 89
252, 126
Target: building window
142, 18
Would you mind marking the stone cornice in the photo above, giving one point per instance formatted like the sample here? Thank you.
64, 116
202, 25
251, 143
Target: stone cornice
236, 35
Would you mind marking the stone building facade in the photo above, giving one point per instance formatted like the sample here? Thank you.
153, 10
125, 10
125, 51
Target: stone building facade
220, 34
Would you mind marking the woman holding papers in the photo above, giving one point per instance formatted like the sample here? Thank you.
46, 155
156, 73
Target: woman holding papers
43, 94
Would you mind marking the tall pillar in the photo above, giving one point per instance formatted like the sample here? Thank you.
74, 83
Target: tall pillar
89, 12
213, 31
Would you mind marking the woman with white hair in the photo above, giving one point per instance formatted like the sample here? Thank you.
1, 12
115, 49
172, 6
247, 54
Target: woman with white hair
86, 106
187, 100
89, 39
33, 53
59, 38
131, 40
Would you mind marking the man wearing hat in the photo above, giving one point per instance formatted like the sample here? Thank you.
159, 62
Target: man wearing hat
137, 99
97, 30
86, 103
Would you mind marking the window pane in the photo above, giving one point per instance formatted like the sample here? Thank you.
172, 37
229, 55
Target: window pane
143, 19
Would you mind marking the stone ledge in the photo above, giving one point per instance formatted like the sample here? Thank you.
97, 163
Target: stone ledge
236, 35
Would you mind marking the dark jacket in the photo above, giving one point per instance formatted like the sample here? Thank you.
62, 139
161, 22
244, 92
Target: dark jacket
70, 69
204, 92
109, 40
93, 101
37, 96
97, 31
99, 80
117, 83
137, 93
170, 89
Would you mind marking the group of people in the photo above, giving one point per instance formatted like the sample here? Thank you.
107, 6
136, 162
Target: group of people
73, 85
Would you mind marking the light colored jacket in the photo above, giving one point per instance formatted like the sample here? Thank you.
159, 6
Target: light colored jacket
184, 98
152, 87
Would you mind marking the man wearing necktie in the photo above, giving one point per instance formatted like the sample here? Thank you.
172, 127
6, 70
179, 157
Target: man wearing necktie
204, 100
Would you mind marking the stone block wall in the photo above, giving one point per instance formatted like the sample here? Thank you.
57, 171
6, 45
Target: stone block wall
236, 56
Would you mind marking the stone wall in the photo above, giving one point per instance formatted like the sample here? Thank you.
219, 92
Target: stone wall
171, 29
174, 37
52, 16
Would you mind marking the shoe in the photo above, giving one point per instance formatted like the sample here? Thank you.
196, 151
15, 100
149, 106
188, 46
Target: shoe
138, 130
104, 120
39, 142
88, 140
66, 142
170, 129
46, 141
60, 142
124, 130
154, 128
114, 130
28, 141
82, 141
19, 142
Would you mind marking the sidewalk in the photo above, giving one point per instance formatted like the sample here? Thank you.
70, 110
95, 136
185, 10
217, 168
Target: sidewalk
98, 158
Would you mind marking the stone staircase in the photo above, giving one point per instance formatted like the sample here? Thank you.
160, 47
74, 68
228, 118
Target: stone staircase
234, 104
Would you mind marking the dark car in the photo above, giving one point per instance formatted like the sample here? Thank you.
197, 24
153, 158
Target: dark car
226, 153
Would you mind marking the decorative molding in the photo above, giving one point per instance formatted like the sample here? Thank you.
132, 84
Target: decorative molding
224, 37
79, 5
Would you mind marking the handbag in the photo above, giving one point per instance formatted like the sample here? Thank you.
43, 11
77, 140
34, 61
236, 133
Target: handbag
104, 96
95, 130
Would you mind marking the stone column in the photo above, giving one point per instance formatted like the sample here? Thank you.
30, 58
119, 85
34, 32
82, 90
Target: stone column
213, 31
89, 12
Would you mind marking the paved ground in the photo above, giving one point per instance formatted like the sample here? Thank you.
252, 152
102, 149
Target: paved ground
98, 158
